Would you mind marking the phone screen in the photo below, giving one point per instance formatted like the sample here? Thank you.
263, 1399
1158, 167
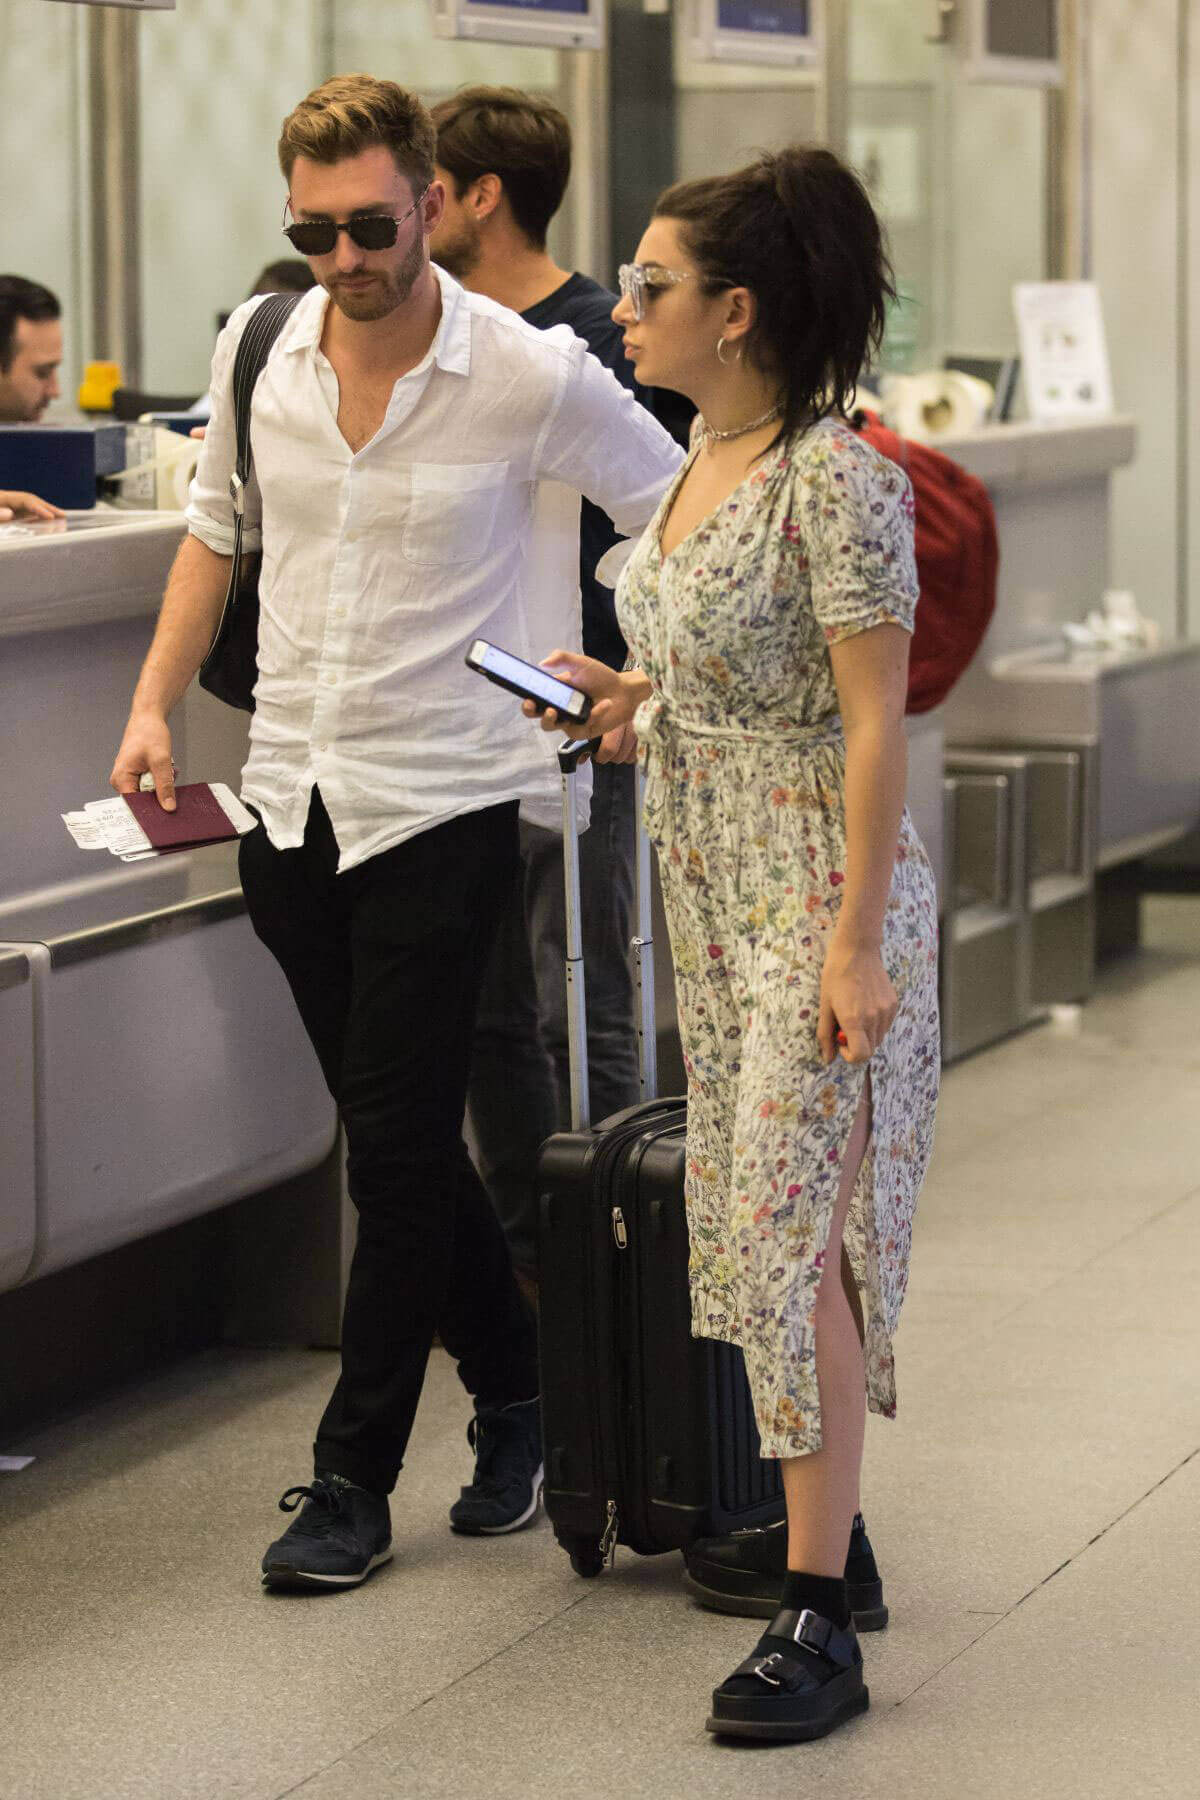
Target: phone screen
543, 687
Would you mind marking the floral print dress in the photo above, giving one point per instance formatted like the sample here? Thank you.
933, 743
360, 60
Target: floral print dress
745, 801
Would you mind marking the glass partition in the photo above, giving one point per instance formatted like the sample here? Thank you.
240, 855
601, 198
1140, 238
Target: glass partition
726, 112
958, 173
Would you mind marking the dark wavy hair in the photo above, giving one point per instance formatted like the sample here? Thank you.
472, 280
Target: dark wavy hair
520, 137
797, 229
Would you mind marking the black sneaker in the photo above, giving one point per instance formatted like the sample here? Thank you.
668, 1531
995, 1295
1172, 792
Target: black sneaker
744, 1574
342, 1533
507, 1488
804, 1679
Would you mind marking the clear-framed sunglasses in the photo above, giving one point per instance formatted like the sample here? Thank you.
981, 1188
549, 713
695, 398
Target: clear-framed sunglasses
638, 280
370, 231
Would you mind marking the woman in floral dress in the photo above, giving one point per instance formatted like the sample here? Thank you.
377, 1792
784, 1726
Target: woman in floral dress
768, 607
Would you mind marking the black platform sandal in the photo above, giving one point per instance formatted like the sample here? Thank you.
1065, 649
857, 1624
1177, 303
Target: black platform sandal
803, 1681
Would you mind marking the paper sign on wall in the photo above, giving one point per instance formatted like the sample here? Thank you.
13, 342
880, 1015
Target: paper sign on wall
1064, 355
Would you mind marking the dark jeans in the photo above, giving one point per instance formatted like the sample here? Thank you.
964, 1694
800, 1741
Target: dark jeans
385, 964
520, 1084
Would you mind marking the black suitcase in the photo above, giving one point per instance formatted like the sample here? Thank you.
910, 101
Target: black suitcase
649, 1434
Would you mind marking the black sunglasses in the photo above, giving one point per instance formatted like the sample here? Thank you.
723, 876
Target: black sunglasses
370, 231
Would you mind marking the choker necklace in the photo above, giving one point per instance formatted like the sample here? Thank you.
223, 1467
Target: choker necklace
712, 436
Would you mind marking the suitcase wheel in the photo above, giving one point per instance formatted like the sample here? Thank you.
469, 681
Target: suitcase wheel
587, 1558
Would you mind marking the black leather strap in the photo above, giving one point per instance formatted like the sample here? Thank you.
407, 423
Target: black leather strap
809, 1631
262, 328
219, 671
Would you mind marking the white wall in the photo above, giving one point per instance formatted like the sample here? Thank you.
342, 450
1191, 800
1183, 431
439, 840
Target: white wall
1135, 92
218, 78
1191, 485
40, 162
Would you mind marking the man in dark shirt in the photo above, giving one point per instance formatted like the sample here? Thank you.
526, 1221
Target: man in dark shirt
505, 158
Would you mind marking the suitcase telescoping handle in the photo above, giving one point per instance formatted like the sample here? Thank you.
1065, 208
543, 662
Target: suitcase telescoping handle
569, 756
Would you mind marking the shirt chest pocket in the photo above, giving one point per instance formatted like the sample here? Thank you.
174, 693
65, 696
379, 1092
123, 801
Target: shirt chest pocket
453, 512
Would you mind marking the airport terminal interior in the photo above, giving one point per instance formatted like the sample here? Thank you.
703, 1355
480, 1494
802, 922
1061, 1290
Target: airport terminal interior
176, 1225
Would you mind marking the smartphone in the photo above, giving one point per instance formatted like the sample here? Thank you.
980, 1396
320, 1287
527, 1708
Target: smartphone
527, 680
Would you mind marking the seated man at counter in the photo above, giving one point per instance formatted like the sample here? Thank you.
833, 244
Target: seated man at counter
400, 426
504, 158
31, 349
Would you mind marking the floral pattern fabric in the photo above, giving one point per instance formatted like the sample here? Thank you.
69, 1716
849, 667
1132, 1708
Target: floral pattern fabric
745, 800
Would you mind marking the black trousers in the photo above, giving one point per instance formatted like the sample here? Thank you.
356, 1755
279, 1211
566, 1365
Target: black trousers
385, 964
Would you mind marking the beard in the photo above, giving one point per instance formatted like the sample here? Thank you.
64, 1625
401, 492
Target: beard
387, 289
459, 254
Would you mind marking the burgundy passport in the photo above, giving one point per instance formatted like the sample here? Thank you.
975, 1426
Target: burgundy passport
198, 818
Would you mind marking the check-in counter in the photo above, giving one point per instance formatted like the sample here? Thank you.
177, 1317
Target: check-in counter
1135, 711
153, 1060
18, 1172
1078, 759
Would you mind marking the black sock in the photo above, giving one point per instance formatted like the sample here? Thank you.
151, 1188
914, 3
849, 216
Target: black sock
822, 1594
860, 1558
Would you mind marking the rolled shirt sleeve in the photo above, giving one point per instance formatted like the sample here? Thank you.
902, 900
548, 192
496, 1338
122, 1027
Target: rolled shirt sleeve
210, 508
600, 440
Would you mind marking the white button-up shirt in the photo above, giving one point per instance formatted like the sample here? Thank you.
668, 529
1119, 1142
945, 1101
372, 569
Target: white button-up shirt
379, 569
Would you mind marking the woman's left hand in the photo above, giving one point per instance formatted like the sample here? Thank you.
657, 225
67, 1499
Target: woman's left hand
858, 998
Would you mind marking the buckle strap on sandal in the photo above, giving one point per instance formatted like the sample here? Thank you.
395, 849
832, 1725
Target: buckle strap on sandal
809, 1631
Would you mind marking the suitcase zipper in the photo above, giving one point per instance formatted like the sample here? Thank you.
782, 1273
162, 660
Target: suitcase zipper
608, 1543
620, 1235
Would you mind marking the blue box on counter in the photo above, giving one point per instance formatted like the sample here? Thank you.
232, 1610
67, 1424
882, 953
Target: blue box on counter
60, 463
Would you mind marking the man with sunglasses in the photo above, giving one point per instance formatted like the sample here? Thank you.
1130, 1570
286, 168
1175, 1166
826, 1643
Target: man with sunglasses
504, 158
399, 431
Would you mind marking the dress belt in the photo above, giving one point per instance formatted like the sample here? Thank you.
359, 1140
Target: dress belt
656, 717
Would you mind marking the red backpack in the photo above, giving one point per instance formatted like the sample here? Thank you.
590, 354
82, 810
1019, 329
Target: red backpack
957, 560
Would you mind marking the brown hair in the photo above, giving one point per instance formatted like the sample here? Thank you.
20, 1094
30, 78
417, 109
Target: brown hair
351, 113
523, 139
798, 230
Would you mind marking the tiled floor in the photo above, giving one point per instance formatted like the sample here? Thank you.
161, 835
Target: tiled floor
1034, 1509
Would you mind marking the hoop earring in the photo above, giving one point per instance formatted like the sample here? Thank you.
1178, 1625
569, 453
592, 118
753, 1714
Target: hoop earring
723, 360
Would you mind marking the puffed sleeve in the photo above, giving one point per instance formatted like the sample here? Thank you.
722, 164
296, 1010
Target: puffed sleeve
853, 516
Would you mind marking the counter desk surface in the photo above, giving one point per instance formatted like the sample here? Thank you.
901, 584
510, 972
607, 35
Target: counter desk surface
1028, 454
77, 602
84, 569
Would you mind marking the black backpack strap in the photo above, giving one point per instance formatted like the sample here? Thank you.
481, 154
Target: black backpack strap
262, 328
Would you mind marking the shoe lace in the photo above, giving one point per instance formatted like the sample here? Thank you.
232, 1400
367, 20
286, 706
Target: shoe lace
327, 1505
489, 1437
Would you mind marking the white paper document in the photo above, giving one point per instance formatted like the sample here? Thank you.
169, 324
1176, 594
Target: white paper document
85, 831
1064, 354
